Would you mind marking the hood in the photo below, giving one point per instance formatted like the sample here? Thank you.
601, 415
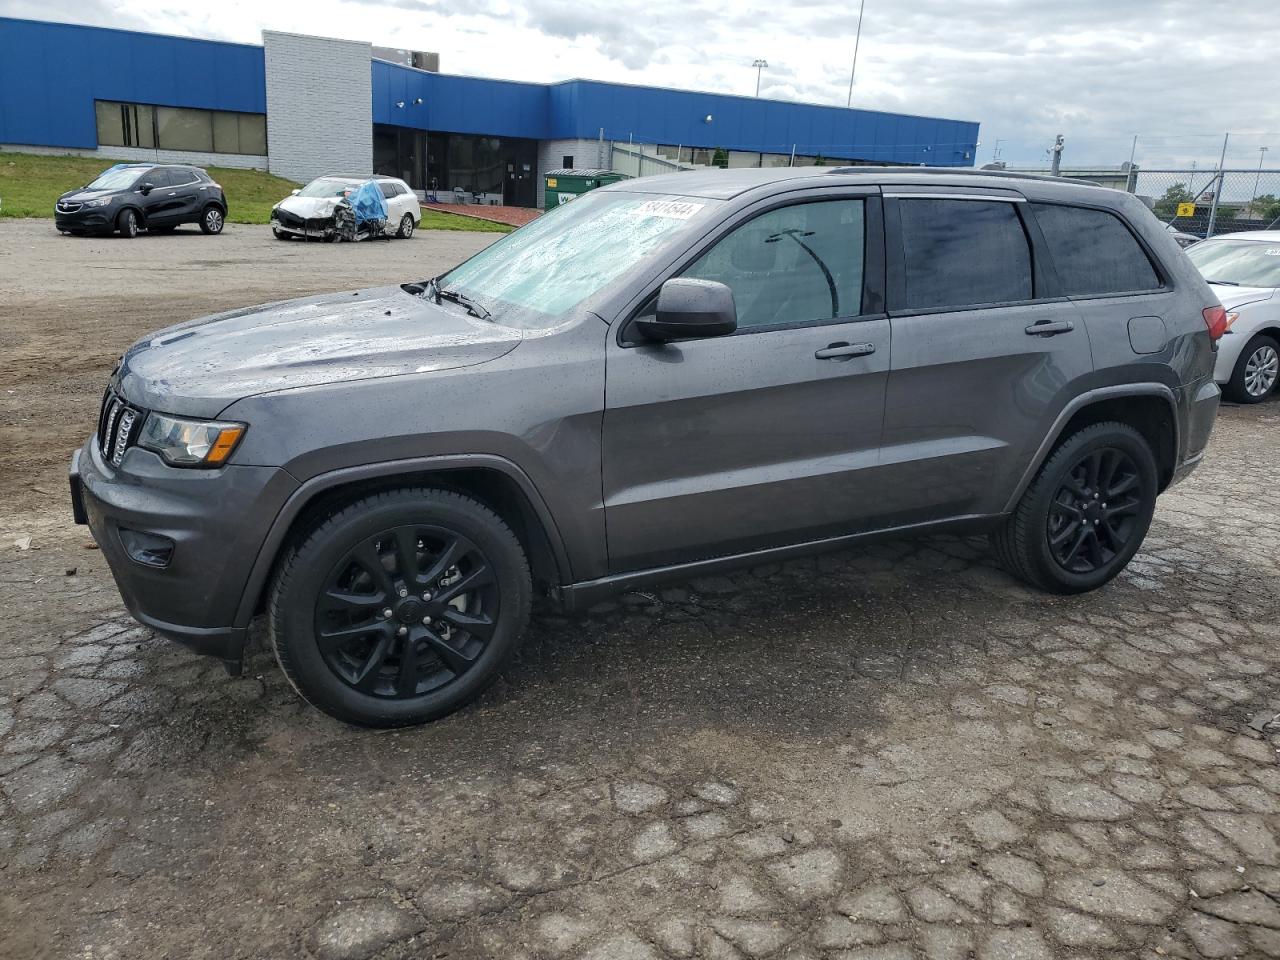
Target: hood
309, 206
1233, 297
81, 195
200, 367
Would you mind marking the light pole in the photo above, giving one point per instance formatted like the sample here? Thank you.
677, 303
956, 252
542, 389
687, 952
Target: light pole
1262, 152
759, 65
857, 39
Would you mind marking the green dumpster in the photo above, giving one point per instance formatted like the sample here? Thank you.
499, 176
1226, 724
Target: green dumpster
561, 186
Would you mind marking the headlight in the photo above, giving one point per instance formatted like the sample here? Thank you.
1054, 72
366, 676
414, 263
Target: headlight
190, 443
100, 202
1231, 318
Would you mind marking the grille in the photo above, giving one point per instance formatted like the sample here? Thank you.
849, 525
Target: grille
118, 427
68, 207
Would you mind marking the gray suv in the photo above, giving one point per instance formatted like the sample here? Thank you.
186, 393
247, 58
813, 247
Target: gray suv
665, 377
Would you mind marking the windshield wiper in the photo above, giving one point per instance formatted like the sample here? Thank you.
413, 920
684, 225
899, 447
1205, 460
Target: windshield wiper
473, 308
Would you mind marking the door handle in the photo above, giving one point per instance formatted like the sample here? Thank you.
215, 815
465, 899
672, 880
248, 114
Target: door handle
173, 193
841, 350
1050, 328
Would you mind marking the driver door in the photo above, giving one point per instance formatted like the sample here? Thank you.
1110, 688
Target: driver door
770, 435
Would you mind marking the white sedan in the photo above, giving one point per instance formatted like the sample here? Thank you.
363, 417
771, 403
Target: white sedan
309, 212
1244, 271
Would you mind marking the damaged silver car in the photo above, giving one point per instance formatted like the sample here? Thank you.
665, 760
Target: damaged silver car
321, 209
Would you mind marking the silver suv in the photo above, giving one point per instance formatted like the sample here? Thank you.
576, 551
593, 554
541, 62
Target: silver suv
665, 377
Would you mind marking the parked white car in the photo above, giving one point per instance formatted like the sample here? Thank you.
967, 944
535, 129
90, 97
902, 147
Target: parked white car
309, 212
1244, 271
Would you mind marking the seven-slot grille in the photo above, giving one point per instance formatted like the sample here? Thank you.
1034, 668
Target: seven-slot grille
118, 427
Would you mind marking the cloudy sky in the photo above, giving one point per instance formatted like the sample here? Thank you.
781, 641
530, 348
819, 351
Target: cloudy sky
1179, 73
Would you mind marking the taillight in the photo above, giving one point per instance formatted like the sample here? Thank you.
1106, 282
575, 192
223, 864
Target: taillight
1215, 318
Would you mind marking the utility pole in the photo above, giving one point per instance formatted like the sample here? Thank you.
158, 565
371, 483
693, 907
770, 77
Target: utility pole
1217, 194
759, 65
1055, 163
1262, 152
857, 40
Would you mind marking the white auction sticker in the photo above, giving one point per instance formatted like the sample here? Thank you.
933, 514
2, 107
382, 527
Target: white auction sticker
672, 209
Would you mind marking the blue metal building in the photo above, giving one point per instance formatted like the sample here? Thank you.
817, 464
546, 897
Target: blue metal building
136, 95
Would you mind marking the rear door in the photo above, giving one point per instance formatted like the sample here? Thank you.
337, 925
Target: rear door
985, 353
184, 195
768, 436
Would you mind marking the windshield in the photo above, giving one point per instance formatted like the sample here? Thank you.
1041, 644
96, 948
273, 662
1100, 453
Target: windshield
326, 188
117, 178
534, 276
1249, 263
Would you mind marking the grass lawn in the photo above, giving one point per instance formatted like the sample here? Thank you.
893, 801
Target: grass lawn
30, 184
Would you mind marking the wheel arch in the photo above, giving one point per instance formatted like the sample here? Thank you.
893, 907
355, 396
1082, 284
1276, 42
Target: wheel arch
137, 212
494, 481
1150, 408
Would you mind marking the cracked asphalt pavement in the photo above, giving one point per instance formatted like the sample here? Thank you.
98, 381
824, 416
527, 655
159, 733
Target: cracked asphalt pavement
893, 752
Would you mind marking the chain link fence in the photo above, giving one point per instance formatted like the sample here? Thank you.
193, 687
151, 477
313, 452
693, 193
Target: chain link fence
1211, 202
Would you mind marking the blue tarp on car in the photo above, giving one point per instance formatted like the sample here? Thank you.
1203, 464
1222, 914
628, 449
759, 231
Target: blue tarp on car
368, 203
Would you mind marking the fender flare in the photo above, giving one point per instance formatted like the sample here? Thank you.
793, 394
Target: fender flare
318, 484
1079, 403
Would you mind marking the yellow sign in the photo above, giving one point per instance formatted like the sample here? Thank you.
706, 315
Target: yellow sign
551, 182
1186, 209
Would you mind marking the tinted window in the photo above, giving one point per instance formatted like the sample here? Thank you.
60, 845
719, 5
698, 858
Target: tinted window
792, 265
1093, 251
179, 176
960, 253
158, 177
388, 189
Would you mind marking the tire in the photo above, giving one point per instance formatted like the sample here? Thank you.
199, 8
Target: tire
406, 227
337, 580
212, 220
279, 234
1050, 510
1256, 371
127, 224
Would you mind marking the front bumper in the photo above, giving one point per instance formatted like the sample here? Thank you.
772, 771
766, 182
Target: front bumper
85, 220
317, 227
216, 520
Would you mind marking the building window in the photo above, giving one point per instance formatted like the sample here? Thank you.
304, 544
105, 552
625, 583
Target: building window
568, 162
180, 128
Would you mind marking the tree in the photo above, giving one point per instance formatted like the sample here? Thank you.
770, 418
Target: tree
720, 158
1167, 206
1266, 207
819, 161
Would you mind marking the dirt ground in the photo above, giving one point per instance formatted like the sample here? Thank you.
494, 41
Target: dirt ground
890, 753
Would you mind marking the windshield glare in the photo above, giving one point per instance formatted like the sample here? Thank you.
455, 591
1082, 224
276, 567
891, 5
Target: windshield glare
534, 276
326, 188
1249, 263
116, 178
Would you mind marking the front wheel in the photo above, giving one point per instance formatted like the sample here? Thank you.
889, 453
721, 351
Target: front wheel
127, 224
212, 221
1086, 512
1256, 371
401, 607
406, 227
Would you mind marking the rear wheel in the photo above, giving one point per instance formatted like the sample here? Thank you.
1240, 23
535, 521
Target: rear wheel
1086, 513
1257, 371
406, 227
211, 221
401, 607
127, 224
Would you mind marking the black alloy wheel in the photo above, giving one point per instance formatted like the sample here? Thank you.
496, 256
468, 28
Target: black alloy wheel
1094, 511
400, 606
407, 611
1085, 513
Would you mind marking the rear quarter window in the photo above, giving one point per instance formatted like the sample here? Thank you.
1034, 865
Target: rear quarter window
1094, 252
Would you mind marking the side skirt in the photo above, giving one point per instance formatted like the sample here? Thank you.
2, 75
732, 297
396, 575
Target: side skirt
579, 596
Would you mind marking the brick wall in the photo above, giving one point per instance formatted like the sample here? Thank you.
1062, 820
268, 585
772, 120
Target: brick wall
586, 155
319, 106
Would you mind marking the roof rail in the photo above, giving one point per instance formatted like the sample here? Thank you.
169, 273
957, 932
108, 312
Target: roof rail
966, 172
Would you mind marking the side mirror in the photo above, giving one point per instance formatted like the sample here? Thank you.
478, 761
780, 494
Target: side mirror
146, 188
691, 308
294, 193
